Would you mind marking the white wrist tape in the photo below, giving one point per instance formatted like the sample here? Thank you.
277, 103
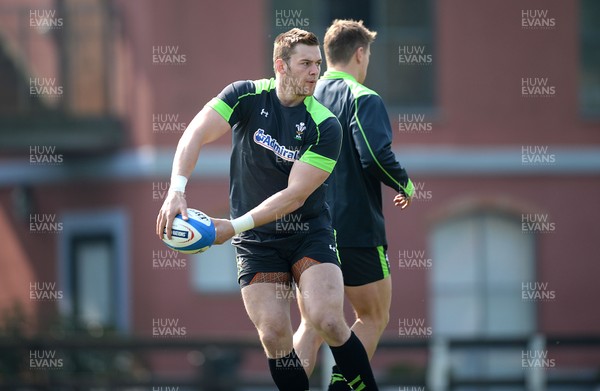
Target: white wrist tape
243, 223
178, 183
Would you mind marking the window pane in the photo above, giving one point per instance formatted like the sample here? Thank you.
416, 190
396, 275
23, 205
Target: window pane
480, 263
589, 89
455, 254
93, 274
408, 13
456, 314
508, 314
508, 252
215, 271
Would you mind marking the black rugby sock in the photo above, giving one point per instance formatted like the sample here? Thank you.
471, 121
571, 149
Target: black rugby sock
352, 360
338, 381
288, 373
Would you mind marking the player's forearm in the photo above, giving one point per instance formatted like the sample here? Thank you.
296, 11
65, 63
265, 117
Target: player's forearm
276, 206
185, 158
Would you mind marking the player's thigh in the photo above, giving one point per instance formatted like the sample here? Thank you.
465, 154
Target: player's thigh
267, 307
373, 299
322, 290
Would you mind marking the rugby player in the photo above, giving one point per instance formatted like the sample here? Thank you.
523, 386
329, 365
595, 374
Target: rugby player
285, 145
365, 162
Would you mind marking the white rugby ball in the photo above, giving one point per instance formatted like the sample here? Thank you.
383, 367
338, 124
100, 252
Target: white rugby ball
193, 236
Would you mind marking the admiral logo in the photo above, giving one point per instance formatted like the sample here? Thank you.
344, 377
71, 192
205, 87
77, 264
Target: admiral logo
266, 141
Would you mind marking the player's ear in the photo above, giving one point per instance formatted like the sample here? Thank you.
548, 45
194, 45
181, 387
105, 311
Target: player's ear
280, 66
359, 54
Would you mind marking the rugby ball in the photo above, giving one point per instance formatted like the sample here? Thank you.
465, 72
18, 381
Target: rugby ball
193, 236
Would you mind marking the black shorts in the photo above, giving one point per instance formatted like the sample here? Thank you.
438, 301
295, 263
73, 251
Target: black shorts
277, 259
363, 265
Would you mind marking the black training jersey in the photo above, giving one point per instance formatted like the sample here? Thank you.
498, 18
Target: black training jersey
267, 139
366, 160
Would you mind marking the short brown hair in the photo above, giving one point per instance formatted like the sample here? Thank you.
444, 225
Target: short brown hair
342, 39
286, 42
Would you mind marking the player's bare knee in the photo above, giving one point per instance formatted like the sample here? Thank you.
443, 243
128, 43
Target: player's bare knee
274, 337
330, 327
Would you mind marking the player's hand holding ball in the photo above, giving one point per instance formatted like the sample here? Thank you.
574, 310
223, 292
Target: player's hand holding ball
173, 205
191, 236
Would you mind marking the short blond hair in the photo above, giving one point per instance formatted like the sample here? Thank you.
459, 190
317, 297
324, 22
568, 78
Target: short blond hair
342, 39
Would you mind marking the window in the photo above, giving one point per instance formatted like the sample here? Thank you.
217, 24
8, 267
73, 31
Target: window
403, 27
402, 59
480, 262
589, 79
94, 270
215, 271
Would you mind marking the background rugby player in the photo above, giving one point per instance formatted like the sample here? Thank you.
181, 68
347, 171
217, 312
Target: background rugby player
366, 160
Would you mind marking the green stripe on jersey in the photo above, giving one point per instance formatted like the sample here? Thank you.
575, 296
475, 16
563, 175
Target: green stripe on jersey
409, 190
263, 85
317, 111
356, 88
316, 160
221, 107
385, 266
